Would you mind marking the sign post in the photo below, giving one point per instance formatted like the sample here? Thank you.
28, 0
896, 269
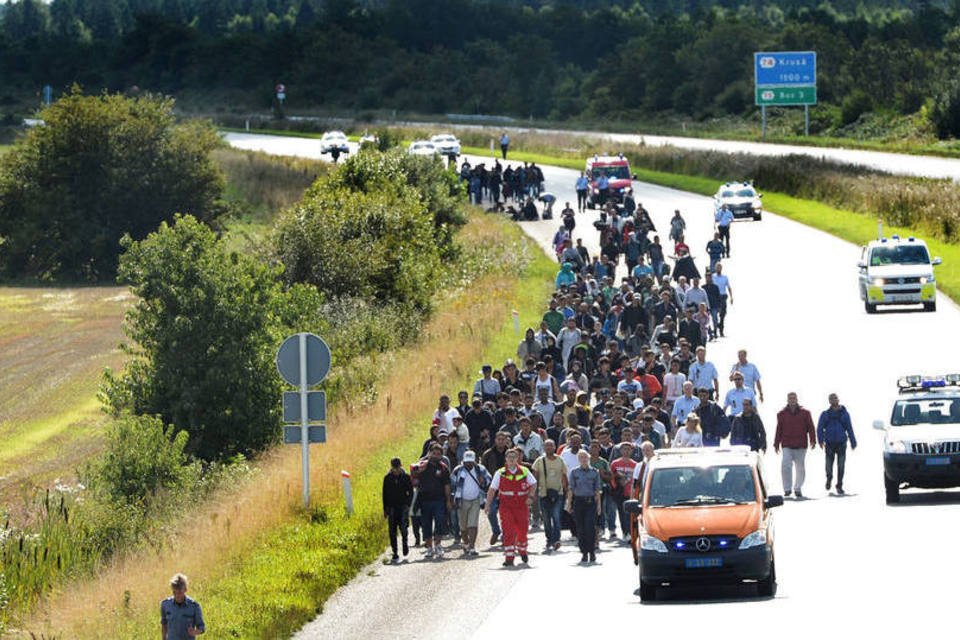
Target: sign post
785, 78
303, 360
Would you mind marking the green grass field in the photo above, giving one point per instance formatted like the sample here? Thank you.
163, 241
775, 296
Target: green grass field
54, 344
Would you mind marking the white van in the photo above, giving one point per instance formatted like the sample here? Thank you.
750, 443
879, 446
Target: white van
897, 271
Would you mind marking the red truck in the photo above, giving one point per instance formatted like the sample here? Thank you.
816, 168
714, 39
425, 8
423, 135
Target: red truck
616, 170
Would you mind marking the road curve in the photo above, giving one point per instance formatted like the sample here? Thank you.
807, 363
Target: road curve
844, 564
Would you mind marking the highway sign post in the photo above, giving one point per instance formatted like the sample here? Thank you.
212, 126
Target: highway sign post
303, 360
785, 78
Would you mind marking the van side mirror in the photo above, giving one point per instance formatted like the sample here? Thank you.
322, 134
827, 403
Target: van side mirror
633, 507
936, 261
635, 176
773, 501
878, 424
861, 265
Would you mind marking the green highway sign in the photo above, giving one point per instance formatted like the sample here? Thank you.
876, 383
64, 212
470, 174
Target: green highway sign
785, 96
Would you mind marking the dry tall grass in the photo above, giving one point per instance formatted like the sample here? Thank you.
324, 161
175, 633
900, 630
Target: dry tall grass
221, 530
267, 182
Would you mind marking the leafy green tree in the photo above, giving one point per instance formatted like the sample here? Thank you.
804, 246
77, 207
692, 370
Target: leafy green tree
374, 245
143, 458
205, 331
945, 113
103, 166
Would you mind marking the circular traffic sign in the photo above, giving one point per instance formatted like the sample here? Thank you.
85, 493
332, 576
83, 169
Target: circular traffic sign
318, 359
281, 88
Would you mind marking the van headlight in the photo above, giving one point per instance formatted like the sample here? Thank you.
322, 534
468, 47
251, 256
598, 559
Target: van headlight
756, 539
927, 280
649, 543
879, 282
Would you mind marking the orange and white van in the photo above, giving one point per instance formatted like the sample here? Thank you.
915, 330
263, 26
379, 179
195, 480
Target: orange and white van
703, 517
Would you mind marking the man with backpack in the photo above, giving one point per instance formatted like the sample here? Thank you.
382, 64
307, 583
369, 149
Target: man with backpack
470, 482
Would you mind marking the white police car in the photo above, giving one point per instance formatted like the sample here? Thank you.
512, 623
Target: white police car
742, 199
921, 444
899, 271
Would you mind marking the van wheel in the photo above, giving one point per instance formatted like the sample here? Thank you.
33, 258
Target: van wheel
767, 588
870, 308
648, 592
892, 488
929, 306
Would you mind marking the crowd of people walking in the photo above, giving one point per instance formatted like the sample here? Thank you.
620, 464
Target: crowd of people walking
617, 368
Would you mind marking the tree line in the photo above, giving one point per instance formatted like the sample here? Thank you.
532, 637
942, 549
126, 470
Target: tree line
560, 60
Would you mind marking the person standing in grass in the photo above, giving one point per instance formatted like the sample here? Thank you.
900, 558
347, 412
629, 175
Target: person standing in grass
180, 616
397, 495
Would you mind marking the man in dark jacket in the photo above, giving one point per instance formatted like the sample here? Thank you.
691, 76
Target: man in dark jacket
747, 428
833, 429
479, 423
713, 421
794, 430
397, 494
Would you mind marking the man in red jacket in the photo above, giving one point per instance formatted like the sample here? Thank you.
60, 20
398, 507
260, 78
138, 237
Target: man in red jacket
795, 432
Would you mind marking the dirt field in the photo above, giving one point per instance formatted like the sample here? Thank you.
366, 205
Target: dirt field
54, 344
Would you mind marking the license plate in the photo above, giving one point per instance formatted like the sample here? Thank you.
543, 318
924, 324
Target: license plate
902, 298
702, 563
938, 461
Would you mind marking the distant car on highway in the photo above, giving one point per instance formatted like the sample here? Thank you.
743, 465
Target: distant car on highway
897, 270
616, 169
422, 148
334, 141
446, 144
742, 199
921, 444
704, 517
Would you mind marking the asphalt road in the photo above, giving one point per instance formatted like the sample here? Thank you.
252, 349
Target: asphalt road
845, 564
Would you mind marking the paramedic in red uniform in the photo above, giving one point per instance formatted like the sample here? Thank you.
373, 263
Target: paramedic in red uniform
516, 486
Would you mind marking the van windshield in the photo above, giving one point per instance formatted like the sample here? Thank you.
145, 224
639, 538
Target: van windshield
899, 254
615, 172
940, 410
692, 486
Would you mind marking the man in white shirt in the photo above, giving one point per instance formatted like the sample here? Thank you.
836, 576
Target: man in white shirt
570, 451
703, 374
750, 373
567, 339
684, 405
735, 396
445, 414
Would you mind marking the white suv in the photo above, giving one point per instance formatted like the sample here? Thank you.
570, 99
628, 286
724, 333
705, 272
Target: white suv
921, 445
897, 271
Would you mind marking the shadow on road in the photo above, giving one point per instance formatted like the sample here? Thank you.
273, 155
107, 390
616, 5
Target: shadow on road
707, 595
927, 498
